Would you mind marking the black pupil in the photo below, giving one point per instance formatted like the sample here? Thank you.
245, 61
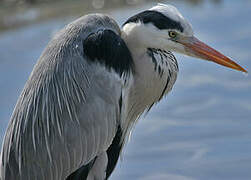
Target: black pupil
172, 34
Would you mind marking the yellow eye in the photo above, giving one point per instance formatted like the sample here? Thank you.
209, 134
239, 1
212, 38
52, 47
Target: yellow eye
172, 34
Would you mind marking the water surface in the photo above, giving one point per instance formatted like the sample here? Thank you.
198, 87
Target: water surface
201, 130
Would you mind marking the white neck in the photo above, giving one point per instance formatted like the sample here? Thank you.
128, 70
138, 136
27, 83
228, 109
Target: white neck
146, 86
141, 36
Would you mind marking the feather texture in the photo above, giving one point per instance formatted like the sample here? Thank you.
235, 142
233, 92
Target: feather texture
68, 112
82, 99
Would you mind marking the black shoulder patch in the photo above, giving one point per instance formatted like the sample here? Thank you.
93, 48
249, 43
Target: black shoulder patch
158, 19
82, 172
106, 47
113, 152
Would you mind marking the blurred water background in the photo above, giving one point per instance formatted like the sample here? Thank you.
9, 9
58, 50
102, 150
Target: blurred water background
200, 131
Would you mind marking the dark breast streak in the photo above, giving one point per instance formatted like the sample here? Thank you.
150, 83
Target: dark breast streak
161, 60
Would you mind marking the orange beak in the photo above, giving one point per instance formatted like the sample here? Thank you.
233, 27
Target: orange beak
195, 47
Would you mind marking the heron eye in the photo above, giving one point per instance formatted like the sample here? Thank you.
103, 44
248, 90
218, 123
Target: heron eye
172, 34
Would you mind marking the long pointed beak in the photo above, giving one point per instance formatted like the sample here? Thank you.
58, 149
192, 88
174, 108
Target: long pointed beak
195, 47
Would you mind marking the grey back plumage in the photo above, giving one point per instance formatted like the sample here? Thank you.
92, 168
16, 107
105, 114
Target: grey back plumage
68, 111
88, 88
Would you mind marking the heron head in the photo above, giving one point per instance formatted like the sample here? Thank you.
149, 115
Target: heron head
163, 27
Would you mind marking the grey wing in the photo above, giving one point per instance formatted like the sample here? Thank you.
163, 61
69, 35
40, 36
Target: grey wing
69, 111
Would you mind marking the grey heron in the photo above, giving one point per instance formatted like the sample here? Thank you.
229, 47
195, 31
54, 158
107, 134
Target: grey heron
88, 88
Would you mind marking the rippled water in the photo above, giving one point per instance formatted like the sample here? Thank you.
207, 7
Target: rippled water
202, 130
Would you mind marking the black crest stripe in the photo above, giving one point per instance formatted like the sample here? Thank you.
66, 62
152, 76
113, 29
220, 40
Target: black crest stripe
158, 19
106, 47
